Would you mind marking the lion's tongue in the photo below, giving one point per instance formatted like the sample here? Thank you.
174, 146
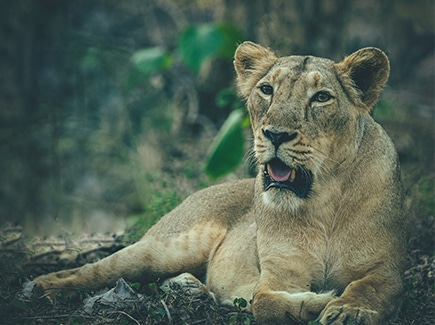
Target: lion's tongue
279, 171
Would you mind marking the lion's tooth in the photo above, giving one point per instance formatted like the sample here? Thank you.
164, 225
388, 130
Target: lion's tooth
292, 175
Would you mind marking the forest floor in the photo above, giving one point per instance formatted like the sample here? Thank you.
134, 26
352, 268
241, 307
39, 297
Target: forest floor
149, 304
22, 258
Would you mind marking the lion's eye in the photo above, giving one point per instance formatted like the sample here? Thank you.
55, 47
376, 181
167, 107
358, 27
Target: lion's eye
266, 89
321, 97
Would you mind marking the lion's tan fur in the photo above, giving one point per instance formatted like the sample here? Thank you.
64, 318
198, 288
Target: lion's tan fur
335, 254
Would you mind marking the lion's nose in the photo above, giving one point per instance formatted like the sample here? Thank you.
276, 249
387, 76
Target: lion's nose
277, 138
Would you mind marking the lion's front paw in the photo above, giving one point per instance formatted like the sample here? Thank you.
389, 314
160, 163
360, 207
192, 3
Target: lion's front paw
346, 314
280, 307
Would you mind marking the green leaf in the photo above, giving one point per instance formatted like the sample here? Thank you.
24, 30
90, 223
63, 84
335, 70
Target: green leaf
245, 320
151, 60
231, 38
225, 97
197, 43
233, 319
228, 97
226, 151
240, 303
134, 285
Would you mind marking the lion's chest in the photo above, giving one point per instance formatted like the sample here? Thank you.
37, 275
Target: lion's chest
328, 267
337, 256
328, 247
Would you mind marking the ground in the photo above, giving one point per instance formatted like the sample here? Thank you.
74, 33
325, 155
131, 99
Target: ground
31, 257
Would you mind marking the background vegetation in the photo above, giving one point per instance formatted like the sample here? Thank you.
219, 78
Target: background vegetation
108, 109
101, 103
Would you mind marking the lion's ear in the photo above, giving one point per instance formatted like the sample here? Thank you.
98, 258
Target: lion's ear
368, 70
251, 61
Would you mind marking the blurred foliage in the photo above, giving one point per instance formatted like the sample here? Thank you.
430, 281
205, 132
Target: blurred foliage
426, 194
151, 60
97, 96
200, 42
227, 150
161, 203
385, 110
196, 45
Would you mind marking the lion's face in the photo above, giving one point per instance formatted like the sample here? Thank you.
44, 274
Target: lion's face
305, 114
298, 119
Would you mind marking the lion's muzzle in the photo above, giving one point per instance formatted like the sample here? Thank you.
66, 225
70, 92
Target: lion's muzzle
277, 174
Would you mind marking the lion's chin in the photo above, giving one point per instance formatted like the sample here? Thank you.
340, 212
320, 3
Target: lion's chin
279, 175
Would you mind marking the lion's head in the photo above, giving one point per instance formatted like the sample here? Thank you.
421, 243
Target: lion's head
306, 112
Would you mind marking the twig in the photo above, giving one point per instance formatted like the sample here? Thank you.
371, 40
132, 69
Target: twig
167, 311
125, 314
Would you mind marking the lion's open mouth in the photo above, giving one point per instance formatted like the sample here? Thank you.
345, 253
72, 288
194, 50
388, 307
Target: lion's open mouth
277, 174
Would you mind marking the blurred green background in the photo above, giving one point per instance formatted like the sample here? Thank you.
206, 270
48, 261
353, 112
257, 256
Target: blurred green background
108, 108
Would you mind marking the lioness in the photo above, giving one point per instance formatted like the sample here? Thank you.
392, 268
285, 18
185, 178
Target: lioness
321, 231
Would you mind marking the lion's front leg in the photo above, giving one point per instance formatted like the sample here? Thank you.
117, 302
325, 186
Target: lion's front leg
287, 271
282, 294
370, 300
